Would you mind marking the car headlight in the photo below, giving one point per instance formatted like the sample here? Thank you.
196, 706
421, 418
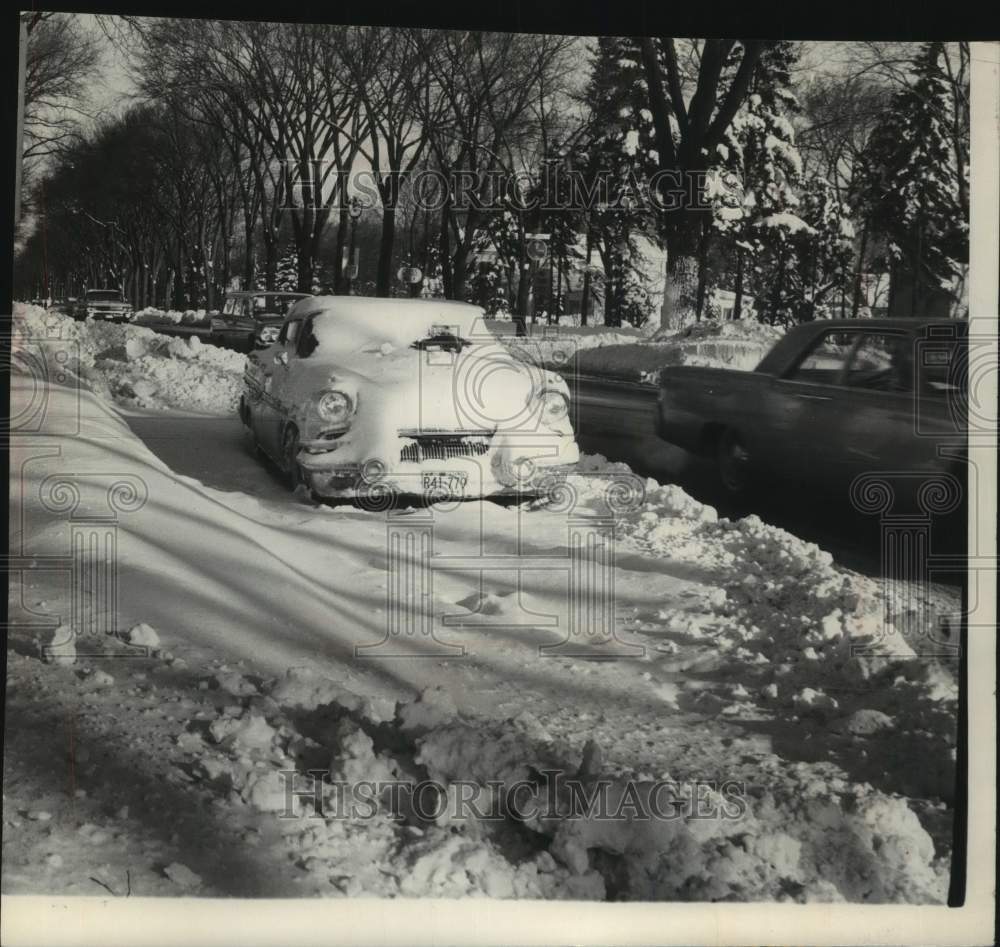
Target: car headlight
334, 407
555, 407
269, 334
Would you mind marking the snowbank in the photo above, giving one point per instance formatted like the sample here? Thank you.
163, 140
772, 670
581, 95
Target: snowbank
153, 316
554, 346
136, 367
739, 344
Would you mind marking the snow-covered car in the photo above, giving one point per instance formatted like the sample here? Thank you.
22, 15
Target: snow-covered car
360, 396
107, 304
250, 320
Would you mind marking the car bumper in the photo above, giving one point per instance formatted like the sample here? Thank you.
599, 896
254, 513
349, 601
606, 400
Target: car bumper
500, 471
111, 316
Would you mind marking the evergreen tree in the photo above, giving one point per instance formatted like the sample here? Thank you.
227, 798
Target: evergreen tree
616, 161
911, 183
754, 185
826, 253
286, 278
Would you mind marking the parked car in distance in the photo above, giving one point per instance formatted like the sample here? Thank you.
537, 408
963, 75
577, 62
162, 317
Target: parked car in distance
374, 396
831, 400
107, 304
251, 319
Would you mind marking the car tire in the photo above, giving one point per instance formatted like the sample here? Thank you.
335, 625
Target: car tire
732, 463
289, 450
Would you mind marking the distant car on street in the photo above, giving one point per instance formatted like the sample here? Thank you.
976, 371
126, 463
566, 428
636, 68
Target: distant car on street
107, 304
373, 396
831, 400
252, 319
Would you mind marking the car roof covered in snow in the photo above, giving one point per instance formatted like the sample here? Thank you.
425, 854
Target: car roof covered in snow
352, 322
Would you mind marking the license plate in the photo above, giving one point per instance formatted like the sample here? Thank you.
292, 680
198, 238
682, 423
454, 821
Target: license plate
444, 485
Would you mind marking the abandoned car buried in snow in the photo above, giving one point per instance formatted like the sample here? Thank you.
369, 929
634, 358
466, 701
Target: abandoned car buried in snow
374, 397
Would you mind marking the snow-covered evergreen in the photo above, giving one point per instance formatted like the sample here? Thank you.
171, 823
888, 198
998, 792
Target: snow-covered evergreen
911, 178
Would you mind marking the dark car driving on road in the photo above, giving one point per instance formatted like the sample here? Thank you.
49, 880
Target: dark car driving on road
252, 319
831, 400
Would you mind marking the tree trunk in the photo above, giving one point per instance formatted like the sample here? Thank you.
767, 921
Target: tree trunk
585, 302
459, 273
306, 263
557, 308
738, 302
702, 274
611, 277
270, 262
444, 244
383, 279
680, 300
248, 248
681, 293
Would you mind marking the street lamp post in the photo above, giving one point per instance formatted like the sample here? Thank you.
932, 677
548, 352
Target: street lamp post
537, 249
351, 270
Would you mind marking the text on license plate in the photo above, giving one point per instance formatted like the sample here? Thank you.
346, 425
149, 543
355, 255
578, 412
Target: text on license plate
444, 484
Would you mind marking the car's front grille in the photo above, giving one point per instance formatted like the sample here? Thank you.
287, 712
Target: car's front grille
441, 445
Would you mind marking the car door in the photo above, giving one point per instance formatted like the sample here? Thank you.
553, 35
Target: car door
277, 366
800, 410
244, 322
225, 325
877, 427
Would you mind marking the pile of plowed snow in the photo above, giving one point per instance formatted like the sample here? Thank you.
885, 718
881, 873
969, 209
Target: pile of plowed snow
557, 346
153, 316
734, 344
799, 838
801, 635
138, 368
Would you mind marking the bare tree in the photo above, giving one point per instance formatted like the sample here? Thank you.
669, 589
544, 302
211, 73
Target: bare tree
60, 58
479, 101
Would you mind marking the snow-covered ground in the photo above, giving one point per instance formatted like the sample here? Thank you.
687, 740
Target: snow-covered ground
731, 668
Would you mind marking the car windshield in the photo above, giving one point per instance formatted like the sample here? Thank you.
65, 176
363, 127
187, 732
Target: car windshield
104, 296
275, 303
